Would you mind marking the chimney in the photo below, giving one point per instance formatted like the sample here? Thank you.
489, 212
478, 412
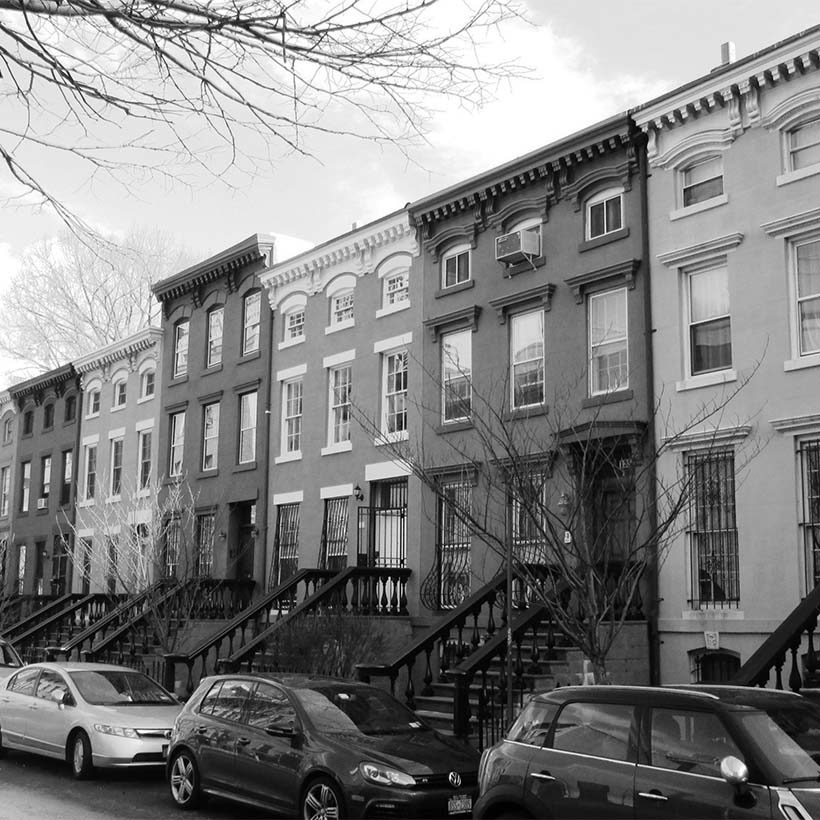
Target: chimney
354, 226
727, 53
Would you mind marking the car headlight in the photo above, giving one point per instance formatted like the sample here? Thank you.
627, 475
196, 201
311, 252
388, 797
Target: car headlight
118, 731
385, 776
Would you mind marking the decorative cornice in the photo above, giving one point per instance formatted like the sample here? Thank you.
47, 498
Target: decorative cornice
625, 270
621, 172
796, 424
122, 351
539, 296
536, 204
448, 237
56, 379
794, 224
702, 142
719, 436
796, 106
702, 251
457, 319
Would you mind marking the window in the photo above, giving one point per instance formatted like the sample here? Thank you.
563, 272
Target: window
334, 534
45, 477
250, 322
48, 416
181, 332
247, 428
710, 332
5, 489
527, 359
67, 473
396, 289
286, 545
8, 430
528, 518
294, 325
147, 388
455, 267
608, 362
144, 455
394, 393
215, 322
210, 436
701, 181
173, 544
600, 729
111, 565
70, 408
341, 380
25, 486
28, 422
809, 455
453, 559
120, 392
807, 291
24, 681
604, 213
292, 417
93, 402
804, 145
456, 370
21, 568
270, 706
713, 529
205, 529
90, 471
115, 470
228, 703
177, 444
341, 308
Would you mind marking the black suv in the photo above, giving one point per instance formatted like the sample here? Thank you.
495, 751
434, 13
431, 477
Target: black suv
694, 751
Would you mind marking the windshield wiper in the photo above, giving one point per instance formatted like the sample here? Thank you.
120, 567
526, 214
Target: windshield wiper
815, 778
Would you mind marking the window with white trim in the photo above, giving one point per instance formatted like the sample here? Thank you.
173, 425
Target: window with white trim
340, 381
394, 392
604, 213
341, 307
45, 477
809, 459
144, 456
803, 144
93, 402
120, 392
247, 427
67, 475
90, 483
527, 358
216, 319
455, 266
396, 289
5, 489
210, 436
456, 375
25, 486
709, 320
701, 180
8, 430
294, 325
607, 342
181, 331
177, 443
205, 531
292, 416
115, 468
806, 308
251, 318
147, 383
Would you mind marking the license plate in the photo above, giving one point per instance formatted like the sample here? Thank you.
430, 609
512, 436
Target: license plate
164, 751
459, 804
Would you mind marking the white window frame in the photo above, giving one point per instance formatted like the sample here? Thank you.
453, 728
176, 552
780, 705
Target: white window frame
454, 368
396, 290
144, 446
687, 168
290, 307
812, 120
25, 486
251, 326
398, 432
210, 437
93, 409
291, 432
342, 306
115, 466
182, 335
148, 378
619, 342
454, 253
8, 430
339, 404
45, 478
799, 354
601, 199
515, 319
5, 490
90, 463
120, 393
216, 336
294, 321
688, 274
176, 442
247, 426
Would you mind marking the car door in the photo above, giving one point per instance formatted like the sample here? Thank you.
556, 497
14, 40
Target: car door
15, 703
268, 761
588, 769
49, 720
678, 773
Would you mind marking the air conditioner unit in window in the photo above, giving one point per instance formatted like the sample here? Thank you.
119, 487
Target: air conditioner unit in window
518, 246
42, 503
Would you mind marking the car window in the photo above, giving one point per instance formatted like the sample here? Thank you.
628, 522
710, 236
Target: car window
230, 701
689, 741
269, 706
49, 683
533, 724
600, 729
211, 697
23, 682
8, 657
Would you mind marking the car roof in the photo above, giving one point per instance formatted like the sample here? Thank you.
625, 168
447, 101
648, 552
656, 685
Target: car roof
80, 666
292, 680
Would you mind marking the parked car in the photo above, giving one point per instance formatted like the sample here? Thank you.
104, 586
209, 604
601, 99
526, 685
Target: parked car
9, 659
315, 748
89, 714
695, 751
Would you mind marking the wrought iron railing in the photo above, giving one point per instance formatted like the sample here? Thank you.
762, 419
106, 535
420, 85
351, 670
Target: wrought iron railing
26, 611
382, 537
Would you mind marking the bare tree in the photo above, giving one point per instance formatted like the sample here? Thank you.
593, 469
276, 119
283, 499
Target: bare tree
75, 295
133, 89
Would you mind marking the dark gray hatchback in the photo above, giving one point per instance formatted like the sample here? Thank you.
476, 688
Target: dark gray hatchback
315, 748
642, 752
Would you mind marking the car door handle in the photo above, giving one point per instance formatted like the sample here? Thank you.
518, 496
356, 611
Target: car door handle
653, 796
243, 741
201, 730
542, 776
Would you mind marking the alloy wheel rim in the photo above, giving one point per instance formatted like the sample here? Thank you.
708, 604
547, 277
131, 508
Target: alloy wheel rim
79, 754
182, 779
321, 803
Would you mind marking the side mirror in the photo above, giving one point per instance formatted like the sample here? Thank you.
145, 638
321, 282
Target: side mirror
277, 730
734, 771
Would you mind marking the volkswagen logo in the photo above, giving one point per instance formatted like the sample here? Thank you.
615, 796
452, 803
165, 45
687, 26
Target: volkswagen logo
455, 779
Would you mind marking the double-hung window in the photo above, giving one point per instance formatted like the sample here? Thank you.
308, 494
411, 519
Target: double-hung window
216, 318
809, 455
116, 467
147, 380
807, 292
247, 427
5, 488
340, 385
292, 416
181, 348
210, 436
607, 344
701, 180
251, 322
803, 145
341, 308
710, 327
396, 289
45, 477
25, 486
177, 443
527, 358
294, 325
604, 213
144, 455
90, 472
455, 267
394, 396
68, 475
456, 373
120, 392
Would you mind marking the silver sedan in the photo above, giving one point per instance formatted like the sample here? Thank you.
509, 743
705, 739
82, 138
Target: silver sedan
89, 714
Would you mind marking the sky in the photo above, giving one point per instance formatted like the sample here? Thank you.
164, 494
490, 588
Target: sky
588, 61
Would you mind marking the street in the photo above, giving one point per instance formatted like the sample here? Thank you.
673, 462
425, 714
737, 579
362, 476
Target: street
38, 787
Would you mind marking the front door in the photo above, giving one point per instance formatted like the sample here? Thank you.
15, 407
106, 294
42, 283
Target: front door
15, 706
49, 720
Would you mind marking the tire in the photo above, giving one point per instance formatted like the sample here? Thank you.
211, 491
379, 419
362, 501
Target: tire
322, 800
2, 749
79, 756
183, 780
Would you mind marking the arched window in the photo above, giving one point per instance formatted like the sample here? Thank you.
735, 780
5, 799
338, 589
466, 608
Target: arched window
714, 665
604, 213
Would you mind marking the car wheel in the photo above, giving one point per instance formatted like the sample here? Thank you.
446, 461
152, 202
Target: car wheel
80, 759
184, 781
2, 749
322, 800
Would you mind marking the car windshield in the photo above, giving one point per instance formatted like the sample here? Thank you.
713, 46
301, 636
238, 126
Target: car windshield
8, 657
788, 738
118, 687
340, 709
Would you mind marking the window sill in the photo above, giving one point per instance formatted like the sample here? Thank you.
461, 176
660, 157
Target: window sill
340, 326
86, 503
208, 473
290, 343
391, 438
44, 511
698, 207
341, 447
113, 499
297, 456
117, 408
796, 176
214, 368
454, 426
249, 357
524, 267
178, 380
707, 380
589, 244
387, 311
245, 467
608, 398
89, 416
812, 360
526, 412
145, 493
144, 399
470, 283
705, 611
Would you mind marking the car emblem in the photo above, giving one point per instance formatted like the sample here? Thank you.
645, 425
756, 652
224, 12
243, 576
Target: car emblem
455, 779
167, 734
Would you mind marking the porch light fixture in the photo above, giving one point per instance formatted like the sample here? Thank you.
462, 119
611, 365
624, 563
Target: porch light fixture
563, 503
357, 493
